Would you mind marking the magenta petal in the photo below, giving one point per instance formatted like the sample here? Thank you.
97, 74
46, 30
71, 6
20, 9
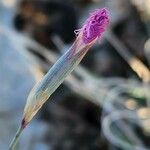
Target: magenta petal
95, 25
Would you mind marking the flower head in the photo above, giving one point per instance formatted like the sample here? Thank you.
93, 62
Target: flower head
94, 26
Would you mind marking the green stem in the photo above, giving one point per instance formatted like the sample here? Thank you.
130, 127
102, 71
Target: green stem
16, 138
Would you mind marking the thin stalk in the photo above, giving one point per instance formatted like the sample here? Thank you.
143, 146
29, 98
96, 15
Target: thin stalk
16, 138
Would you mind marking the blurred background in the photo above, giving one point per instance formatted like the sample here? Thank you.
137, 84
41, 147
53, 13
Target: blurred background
104, 104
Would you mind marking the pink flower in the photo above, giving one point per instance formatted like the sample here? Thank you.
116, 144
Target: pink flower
93, 28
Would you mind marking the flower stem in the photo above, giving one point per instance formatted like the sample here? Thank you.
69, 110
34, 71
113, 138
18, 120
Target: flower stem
15, 139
